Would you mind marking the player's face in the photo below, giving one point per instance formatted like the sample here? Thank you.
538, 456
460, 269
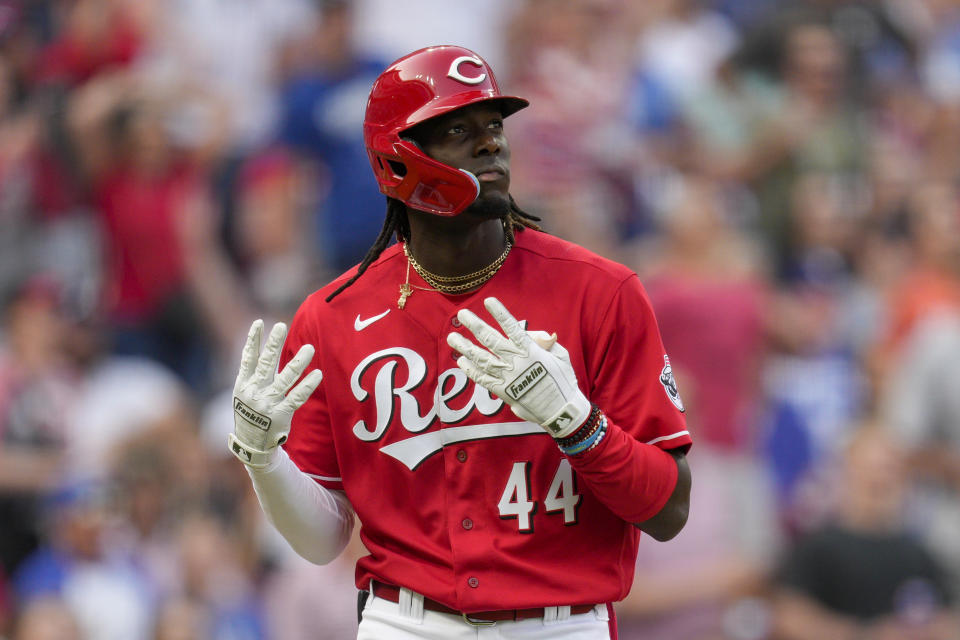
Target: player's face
472, 138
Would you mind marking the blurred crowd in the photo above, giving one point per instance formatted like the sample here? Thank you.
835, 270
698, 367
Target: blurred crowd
784, 175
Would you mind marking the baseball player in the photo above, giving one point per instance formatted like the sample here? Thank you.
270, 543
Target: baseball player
496, 405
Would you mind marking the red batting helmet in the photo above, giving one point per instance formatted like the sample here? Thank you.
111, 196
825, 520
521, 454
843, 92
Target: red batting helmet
419, 86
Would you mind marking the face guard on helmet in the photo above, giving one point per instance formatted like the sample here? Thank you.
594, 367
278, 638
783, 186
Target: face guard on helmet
422, 85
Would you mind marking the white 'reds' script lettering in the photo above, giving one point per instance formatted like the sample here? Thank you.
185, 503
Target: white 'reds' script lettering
454, 71
385, 387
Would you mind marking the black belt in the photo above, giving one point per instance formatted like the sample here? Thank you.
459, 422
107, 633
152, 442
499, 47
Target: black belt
392, 593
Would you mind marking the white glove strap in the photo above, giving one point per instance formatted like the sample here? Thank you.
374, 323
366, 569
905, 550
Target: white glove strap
248, 455
570, 418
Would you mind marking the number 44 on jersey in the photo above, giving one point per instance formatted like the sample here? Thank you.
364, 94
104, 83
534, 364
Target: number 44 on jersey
562, 497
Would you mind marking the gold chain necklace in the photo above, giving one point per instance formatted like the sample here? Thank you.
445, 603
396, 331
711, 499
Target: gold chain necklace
449, 284
427, 275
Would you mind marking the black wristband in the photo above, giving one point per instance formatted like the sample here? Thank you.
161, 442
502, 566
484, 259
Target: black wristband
587, 429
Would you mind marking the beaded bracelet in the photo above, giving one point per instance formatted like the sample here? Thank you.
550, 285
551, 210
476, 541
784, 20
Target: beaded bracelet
590, 442
603, 432
587, 429
584, 436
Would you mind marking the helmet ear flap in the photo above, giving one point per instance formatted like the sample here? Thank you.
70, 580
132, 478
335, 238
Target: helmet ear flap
432, 186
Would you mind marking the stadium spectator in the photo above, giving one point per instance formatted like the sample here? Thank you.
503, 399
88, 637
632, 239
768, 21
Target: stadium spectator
322, 105
100, 587
143, 183
862, 575
37, 389
711, 294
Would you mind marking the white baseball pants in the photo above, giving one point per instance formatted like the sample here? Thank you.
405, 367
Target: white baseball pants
407, 620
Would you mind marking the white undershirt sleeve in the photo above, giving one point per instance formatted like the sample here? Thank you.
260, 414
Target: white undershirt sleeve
317, 522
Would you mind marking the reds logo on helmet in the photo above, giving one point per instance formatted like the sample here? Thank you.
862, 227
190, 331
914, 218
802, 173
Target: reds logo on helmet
455, 73
423, 85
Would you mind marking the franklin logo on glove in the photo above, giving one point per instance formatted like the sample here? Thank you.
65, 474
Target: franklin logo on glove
251, 416
524, 382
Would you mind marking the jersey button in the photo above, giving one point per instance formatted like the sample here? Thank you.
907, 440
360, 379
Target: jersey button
467, 524
454, 355
473, 582
462, 455
456, 322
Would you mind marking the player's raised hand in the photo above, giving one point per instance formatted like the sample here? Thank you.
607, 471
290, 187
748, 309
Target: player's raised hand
262, 406
530, 371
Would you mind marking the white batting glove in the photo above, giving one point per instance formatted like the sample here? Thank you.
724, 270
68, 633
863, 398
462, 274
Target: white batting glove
530, 372
262, 408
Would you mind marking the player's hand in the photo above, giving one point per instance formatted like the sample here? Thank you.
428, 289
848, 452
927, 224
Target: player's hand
530, 372
262, 408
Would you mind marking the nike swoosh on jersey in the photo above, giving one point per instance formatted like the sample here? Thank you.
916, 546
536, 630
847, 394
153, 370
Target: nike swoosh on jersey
360, 325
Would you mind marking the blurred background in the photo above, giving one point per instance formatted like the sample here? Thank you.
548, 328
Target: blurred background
782, 174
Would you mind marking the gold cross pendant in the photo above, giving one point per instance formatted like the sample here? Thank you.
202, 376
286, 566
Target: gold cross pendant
405, 291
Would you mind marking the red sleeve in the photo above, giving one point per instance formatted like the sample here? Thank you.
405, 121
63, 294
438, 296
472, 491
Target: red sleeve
631, 380
630, 374
310, 444
633, 479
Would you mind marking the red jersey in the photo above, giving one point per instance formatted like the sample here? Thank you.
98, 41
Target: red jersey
459, 499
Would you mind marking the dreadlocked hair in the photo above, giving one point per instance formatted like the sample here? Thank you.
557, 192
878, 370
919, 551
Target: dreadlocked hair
396, 223
517, 220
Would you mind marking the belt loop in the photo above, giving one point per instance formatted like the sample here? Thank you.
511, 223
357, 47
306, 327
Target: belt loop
555, 614
411, 604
